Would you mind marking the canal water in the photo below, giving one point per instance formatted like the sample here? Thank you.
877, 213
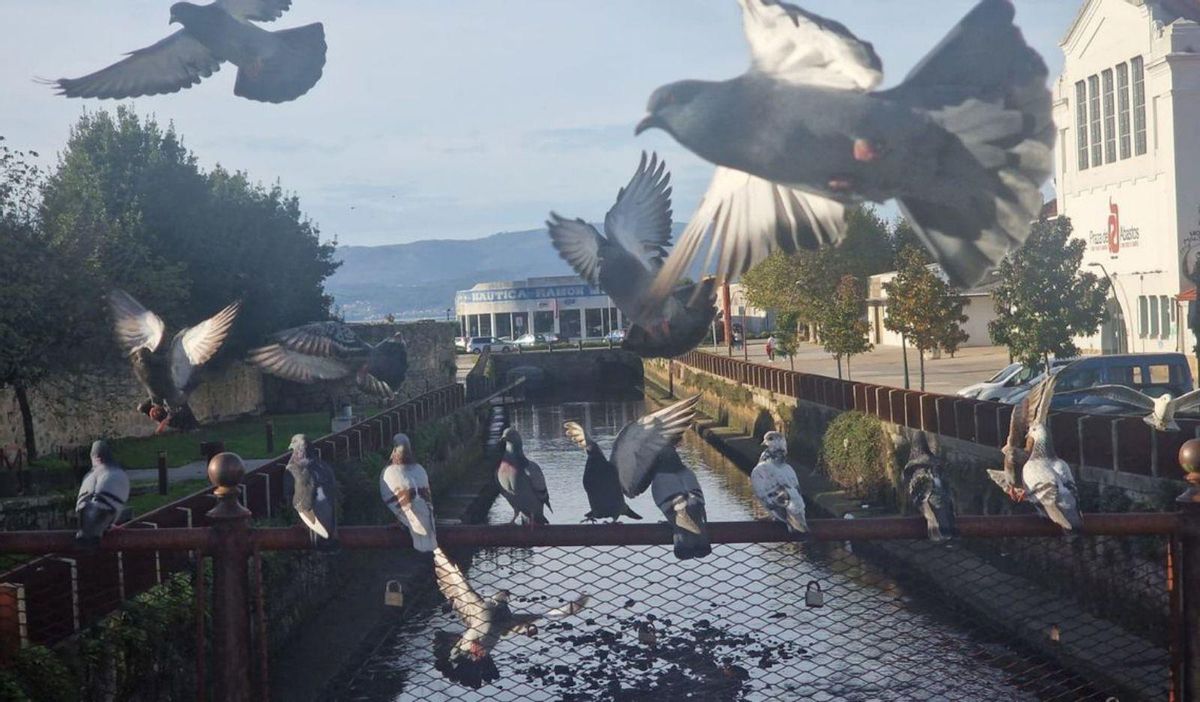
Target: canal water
732, 626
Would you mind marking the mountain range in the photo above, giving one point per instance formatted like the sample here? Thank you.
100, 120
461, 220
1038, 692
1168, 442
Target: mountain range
419, 279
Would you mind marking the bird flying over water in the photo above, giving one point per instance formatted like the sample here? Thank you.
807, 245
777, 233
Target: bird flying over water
776, 485
271, 66
102, 496
600, 480
625, 259
963, 144
331, 351
404, 487
928, 492
1162, 408
167, 371
522, 482
314, 493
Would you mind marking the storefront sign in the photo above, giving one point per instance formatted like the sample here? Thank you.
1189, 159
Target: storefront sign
517, 294
1115, 237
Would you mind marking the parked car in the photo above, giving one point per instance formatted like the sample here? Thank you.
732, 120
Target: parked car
1017, 384
1151, 373
992, 382
461, 342
616, 336
530, 340
479, 343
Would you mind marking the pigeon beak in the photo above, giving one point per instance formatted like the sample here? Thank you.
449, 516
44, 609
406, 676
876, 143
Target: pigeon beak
648, 122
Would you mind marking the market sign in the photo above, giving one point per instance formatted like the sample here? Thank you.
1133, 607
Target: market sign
1114, 237
516, 294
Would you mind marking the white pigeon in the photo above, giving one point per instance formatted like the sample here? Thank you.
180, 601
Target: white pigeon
1162, 408
776, 485
102, 496
1047, 478
404, 487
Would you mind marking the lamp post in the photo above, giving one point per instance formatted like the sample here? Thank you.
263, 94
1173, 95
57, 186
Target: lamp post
1121, 347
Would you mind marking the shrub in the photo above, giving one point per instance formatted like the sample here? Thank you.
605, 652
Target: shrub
856, 455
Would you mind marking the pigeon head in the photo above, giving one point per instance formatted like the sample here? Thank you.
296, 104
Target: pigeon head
402, 451
512, 438
157, 413
101, 452
185, 13
299, 444
675, 108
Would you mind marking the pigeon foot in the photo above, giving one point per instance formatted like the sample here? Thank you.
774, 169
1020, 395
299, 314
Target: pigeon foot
865, 151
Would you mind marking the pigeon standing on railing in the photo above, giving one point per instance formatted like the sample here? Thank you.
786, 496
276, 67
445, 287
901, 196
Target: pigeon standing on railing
272, 66
600, 480
776, 485
331, 351
522, 482
314, 493
102, 496
624, 261
404, 487
677, 493
1162, 408
467, 659
927, 491
964, 144
167, 371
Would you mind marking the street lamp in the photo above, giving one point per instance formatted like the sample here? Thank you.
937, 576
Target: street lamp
1121, 347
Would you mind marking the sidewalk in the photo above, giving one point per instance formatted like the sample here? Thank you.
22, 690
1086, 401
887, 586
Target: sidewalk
885, 365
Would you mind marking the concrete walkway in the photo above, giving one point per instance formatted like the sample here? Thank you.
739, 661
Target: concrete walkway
196, 470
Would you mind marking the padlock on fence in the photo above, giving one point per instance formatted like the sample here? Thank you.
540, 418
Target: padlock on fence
393, 595
813, 597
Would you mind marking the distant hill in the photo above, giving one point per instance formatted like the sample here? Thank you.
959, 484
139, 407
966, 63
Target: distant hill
419, 280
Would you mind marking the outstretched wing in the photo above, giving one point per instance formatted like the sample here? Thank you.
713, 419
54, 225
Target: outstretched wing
796, 46
578, 243
329, 339
1116, 393
194, 346
297, 366
1033, 409
1188, 402
174, 63
136, 326
640, 220
458, 592
745, 219
639, 443
255, 10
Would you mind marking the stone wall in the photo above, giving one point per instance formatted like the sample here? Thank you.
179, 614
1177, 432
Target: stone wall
587, 373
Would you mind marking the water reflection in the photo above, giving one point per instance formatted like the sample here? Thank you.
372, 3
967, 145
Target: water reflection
731, 626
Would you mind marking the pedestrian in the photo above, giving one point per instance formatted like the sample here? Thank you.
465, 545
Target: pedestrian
771, 348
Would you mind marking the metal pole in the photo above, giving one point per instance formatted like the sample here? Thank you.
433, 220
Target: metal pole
1187, 614
727, 318
231, 552
904, 351
270, 426
162, 472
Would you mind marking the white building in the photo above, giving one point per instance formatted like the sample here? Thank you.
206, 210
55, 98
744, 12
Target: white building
562, 305
1127, 166
979, 310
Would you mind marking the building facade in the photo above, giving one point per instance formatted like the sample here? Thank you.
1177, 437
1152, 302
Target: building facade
562, 305
979, 310
1127, 167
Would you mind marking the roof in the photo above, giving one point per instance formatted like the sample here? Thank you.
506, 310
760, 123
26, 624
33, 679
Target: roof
1164, 11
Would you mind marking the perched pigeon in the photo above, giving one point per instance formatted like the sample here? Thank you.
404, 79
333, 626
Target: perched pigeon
636, 450
922, 478
964, 143
272, 66
677, 493
102, 496
1162, 408
327, 351
600, 480
314, 493
776, 485
522, 482
404, 487
167, 372
1032, 410
468, 659
625, 260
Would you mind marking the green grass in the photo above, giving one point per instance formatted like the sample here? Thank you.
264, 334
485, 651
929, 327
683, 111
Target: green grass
245, 437
142, 504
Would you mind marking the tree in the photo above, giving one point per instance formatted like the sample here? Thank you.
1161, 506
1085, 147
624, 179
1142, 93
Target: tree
844, 328
866, 248
787, 341
1044, 300
902, 236
922, 307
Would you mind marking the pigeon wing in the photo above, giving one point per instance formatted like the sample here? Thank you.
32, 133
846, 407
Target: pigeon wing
1188, 402
467, 603
640, 221
296, 366
578, 243
195, 346
745, 219
639, 443
796, 46
255, 10
136, 326
176, 62
1116, 393
326, 339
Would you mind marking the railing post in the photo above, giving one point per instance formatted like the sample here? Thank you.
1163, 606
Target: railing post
1187, 674
231, 552
162, 472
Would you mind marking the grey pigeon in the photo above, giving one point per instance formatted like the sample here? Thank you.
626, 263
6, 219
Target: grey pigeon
522, 482
1162, 408
314, 493
600, 480
636, 450
776, 485
102, 496
272, 66
331, 351
963, 144
927, 491
467, 659
404, 487
677, 493
167, 371
625, 259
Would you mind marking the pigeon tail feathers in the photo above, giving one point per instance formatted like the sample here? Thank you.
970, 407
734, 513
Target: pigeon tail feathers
289, 72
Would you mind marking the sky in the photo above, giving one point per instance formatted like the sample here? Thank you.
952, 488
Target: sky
449, 119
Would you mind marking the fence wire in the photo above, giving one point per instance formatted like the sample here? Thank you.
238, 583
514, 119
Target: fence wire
895, 620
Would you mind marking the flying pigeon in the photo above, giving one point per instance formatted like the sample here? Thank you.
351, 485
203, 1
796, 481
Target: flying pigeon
625, 260
327, 351
102, 496
677, 493
600, 480
922, 478
272, 66
637, 446
1033, 409
404, 487
468, 660
776, 485
167, 372
522, 482
963, 144
314, 493
1162, 408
